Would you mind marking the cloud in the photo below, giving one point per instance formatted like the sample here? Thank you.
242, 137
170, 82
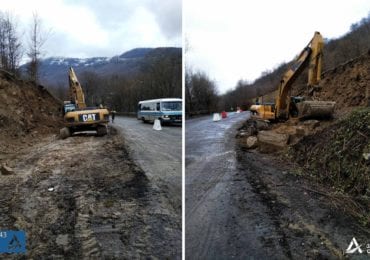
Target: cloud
168, 16
232, 40
101, 28
113, 14
131, 23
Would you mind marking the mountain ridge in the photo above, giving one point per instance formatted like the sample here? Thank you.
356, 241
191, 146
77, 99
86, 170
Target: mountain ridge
54, 70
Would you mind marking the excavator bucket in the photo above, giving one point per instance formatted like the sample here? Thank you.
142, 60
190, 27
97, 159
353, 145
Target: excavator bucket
315, 109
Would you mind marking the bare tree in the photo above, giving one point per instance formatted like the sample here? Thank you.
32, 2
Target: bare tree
10, 46
3, 55
201, 93
36, 41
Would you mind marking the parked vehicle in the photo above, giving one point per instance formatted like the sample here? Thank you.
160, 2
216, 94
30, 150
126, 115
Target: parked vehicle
167, 110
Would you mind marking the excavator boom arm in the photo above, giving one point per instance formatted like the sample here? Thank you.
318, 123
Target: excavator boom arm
311, 56
75, 90
315, 63
286, 106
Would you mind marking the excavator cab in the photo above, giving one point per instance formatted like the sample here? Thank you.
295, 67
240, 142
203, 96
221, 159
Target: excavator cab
68, 107
265, 111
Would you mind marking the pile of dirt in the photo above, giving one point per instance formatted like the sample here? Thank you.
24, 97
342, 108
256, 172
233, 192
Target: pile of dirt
345, 84
26, 112
339, 155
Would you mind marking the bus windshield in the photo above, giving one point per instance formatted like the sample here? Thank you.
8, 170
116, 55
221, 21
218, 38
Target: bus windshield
172, 106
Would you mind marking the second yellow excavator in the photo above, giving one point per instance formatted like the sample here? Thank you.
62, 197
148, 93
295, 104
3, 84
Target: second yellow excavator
286, 106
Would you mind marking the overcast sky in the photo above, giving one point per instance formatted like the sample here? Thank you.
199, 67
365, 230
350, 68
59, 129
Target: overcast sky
90, 28
239, 39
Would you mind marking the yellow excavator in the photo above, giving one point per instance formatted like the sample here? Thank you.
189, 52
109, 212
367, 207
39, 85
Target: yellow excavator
77, 116
286, 106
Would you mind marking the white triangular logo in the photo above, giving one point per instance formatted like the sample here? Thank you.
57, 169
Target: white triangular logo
351, 250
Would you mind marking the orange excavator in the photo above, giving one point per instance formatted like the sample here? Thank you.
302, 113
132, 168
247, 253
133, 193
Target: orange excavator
77, 116
299, 107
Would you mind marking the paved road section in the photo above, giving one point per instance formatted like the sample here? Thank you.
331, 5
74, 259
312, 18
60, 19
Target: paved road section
210, 164
246, 205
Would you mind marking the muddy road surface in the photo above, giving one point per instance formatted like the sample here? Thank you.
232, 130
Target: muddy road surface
86, 198
246, 205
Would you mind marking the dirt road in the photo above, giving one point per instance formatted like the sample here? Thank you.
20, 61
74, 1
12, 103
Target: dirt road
85, 197
247, 205
158, 153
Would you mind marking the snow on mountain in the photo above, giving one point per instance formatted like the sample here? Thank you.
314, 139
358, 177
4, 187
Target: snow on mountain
54, 70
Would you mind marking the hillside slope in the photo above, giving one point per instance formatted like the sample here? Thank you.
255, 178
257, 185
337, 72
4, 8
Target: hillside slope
345, 84
338, 155
26, 112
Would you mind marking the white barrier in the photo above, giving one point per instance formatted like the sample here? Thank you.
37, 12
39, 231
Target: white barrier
216, 117
157, 125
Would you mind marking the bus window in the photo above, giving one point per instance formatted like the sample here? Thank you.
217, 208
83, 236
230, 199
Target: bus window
139, 107
172, 106
158, 107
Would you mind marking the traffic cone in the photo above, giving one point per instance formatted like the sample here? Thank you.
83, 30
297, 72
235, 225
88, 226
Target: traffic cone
216, 117
157, 125
223, 114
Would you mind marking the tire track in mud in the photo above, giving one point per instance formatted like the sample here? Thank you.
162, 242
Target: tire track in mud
7, 194
84, 198
212, 181
213, 230
307, 225
274, 206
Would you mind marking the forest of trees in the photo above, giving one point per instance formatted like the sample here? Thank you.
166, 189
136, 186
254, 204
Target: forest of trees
200, 93
160, 77
12, 49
